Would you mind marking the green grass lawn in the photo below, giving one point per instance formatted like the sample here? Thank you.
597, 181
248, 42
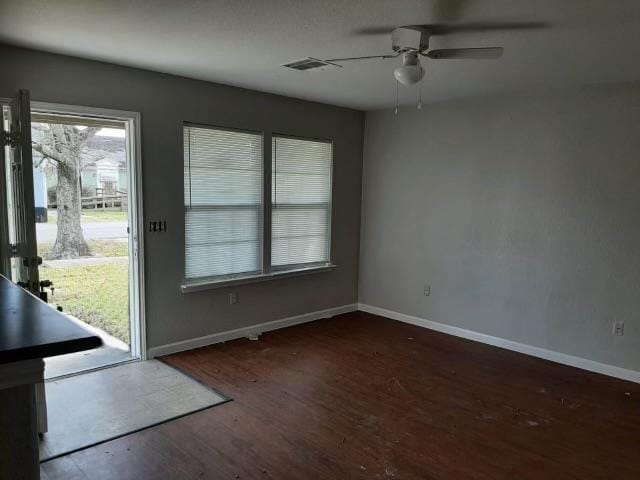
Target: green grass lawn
99, 248
93, 216
97, 295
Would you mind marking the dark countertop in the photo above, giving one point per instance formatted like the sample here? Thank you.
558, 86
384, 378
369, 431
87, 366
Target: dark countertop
29, 328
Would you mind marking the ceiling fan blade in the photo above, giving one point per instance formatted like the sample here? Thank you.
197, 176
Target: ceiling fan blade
375, 30
473, 27
449, 28
369, 57
466, 53
448, 9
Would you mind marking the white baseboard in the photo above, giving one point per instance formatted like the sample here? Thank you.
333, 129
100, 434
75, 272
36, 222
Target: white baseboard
248, 331
578, 362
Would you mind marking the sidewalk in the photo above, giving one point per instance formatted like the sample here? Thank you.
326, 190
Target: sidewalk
86, 261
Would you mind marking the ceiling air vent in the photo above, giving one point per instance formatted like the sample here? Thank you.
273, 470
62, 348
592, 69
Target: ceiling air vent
310, 64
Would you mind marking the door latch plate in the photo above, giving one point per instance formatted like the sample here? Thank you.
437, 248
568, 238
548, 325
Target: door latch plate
10, 139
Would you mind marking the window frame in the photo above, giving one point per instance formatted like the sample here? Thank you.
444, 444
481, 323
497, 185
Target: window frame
268, 272
260, 208
328, 207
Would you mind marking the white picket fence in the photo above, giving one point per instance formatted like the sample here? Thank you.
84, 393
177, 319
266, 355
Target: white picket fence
103, 202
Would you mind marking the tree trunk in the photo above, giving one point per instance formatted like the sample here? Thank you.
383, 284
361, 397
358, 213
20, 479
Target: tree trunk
64, 144
70, 242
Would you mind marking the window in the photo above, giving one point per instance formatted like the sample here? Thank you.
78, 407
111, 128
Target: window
301, 202
223, 202
226, 186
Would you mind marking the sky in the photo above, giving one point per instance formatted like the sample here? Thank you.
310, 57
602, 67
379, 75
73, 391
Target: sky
111, 132
107, 132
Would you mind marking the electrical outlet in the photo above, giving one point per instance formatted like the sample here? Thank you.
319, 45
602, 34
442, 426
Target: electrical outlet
618, 328
427, 290
233, 298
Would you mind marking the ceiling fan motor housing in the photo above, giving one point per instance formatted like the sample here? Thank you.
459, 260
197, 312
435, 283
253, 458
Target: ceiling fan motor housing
406, 39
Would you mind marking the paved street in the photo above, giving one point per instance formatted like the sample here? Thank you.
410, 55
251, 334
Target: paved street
46, 232
86, 262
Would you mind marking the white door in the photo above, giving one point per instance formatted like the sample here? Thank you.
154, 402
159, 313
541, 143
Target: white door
19, 260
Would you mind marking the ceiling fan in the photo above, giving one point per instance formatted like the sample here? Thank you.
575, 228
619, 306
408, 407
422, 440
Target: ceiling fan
410, 42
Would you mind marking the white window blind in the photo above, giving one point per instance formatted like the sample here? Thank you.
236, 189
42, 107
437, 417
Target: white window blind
301, 202
223, 202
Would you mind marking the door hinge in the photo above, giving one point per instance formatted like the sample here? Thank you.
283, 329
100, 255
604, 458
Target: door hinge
11, 138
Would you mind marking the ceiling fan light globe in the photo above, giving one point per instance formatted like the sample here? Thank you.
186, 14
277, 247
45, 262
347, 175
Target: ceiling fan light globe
409, 74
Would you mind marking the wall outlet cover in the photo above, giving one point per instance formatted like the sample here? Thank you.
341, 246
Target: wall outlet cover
618, 328
233, 298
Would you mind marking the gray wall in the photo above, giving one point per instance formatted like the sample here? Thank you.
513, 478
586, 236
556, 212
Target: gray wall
522, 213
164, 102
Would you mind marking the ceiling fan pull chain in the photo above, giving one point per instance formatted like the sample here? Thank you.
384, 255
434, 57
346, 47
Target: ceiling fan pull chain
395, 112
420, 98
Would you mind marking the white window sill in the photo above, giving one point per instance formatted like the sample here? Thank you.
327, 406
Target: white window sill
199, 285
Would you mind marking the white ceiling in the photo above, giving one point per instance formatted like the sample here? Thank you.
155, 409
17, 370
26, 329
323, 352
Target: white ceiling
244, 42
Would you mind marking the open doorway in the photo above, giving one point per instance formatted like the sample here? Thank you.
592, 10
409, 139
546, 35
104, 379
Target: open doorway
87, 209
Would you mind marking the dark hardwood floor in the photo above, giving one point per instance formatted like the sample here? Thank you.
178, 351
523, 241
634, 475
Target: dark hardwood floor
361, 396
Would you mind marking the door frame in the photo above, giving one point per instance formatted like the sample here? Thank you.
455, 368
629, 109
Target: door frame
21, 187
137, 309
5, 254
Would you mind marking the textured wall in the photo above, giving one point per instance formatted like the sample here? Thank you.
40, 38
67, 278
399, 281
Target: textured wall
164, 101
522, 213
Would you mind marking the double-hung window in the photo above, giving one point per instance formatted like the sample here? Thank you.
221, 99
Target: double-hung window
301, 202
226, 175
223, 184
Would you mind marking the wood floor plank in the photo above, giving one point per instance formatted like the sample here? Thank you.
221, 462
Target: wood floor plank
360, 396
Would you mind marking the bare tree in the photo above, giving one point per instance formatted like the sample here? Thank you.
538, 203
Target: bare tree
63, 145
